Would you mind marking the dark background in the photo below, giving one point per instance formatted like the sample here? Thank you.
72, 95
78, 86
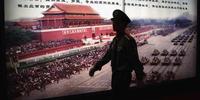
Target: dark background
188, 89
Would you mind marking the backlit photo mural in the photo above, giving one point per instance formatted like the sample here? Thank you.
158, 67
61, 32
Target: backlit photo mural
52, 44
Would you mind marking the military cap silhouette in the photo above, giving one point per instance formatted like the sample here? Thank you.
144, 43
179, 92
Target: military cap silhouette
120, 16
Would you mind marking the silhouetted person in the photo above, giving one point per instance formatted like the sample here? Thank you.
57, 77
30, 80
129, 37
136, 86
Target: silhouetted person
123, 55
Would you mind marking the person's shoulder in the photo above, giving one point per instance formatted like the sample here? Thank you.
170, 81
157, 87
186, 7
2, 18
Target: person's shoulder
129, 38
114, 39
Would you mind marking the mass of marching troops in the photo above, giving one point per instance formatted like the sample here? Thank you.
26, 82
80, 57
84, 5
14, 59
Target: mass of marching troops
39, 76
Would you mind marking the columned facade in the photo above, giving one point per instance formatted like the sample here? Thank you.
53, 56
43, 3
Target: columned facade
69, 15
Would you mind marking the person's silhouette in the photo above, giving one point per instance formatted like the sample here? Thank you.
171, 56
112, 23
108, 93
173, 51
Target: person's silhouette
123, 55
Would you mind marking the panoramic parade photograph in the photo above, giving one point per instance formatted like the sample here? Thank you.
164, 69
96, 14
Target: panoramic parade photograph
58, 48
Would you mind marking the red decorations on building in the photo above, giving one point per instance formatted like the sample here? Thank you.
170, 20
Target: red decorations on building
73, 21
63, 15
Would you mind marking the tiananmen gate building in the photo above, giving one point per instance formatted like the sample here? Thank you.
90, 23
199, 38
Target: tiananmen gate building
74, 21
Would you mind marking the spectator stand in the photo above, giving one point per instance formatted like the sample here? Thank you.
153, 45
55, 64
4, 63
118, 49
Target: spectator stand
49, 57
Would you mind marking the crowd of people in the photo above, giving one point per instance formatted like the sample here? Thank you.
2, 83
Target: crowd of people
39, 76
36, 45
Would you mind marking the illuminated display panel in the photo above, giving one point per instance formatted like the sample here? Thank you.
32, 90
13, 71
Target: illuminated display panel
52, 44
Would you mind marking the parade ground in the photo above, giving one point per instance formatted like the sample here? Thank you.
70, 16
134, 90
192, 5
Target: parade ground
83, 83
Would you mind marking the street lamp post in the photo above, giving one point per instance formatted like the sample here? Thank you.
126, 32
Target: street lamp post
123, 6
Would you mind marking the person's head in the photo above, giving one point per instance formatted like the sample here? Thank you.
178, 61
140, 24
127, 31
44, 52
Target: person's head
120, 20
